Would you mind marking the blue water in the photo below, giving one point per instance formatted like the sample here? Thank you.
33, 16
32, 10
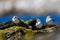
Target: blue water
28, 17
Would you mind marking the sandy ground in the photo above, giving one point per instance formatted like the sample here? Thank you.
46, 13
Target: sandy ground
48, 36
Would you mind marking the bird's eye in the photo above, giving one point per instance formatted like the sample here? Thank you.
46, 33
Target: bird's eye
15, 17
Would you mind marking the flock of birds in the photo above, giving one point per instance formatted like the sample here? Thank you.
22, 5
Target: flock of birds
34, 24
37, 22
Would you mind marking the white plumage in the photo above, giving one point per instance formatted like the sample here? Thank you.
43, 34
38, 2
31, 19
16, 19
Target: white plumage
50, 21
15, 19
39, 23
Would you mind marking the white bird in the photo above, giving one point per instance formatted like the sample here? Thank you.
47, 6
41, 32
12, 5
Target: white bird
50, 21
15, 19
39, 23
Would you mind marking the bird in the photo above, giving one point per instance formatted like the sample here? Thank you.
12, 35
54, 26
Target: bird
50, 21
15, 19
19, 22
38, 23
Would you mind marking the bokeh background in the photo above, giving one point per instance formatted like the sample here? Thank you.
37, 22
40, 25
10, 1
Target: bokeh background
29, 9
29, 6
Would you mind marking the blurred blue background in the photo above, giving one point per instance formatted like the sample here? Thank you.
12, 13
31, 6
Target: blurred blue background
7, 18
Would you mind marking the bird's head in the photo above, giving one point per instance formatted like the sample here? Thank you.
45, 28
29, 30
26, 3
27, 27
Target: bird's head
15, 17
48, 17
38, 22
